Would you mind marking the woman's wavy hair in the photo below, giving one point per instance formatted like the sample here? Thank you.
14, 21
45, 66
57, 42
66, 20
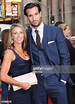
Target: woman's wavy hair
10, 42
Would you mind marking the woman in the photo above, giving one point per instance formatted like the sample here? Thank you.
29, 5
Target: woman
17, 62
66, 29
4, 36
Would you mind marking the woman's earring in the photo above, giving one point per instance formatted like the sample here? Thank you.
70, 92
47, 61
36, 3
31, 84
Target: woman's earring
12, 41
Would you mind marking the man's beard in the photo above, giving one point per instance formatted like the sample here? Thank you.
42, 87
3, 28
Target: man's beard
34, 25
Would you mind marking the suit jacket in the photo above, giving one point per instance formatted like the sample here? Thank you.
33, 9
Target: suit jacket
55, 47
72, 52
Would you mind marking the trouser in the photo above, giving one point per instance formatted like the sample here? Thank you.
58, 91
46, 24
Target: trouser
52, 87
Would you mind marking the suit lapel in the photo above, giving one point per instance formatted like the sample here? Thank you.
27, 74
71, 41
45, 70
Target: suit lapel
29, 43
44, 37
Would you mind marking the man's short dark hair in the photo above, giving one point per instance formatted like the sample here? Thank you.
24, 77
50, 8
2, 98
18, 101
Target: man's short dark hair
31, 5
58, 23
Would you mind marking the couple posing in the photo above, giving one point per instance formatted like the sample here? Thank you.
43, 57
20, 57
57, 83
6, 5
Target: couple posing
51, 51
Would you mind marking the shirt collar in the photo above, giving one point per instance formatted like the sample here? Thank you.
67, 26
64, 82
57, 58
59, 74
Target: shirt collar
40, 28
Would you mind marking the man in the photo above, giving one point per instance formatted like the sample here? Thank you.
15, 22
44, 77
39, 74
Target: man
58, 23
50, 51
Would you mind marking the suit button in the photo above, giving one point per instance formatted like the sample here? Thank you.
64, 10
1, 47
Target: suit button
41, 74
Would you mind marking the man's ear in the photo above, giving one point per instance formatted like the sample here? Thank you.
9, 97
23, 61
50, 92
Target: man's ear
40, 14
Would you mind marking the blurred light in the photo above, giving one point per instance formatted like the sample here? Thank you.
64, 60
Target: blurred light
52, 19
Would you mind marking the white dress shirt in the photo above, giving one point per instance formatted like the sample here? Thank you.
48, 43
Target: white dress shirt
40, 31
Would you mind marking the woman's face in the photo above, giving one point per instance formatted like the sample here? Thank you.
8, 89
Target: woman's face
67, 31
17, 35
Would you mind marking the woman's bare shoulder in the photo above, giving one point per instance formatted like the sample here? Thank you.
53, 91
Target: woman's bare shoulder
8, 53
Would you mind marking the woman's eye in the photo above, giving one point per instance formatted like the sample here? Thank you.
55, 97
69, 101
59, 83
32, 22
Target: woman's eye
21, 32
18, 33
15, 33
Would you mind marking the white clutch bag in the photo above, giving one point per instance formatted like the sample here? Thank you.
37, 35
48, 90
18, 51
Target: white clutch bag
29, 77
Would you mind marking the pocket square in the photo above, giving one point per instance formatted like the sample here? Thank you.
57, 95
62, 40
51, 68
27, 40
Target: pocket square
50, 42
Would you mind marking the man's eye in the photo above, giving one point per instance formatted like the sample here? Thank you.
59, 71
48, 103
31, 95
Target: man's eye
29, 15
36, 13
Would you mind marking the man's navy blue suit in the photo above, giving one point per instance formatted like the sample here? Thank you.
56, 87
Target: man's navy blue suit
53, 51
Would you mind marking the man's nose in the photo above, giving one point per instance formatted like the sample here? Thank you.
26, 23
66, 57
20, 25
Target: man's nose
33, 17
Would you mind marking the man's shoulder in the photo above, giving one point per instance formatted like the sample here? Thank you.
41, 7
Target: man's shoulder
51, 27
28, 31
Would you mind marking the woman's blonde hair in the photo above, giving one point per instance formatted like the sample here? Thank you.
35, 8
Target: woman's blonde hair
63, 26
10, 40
